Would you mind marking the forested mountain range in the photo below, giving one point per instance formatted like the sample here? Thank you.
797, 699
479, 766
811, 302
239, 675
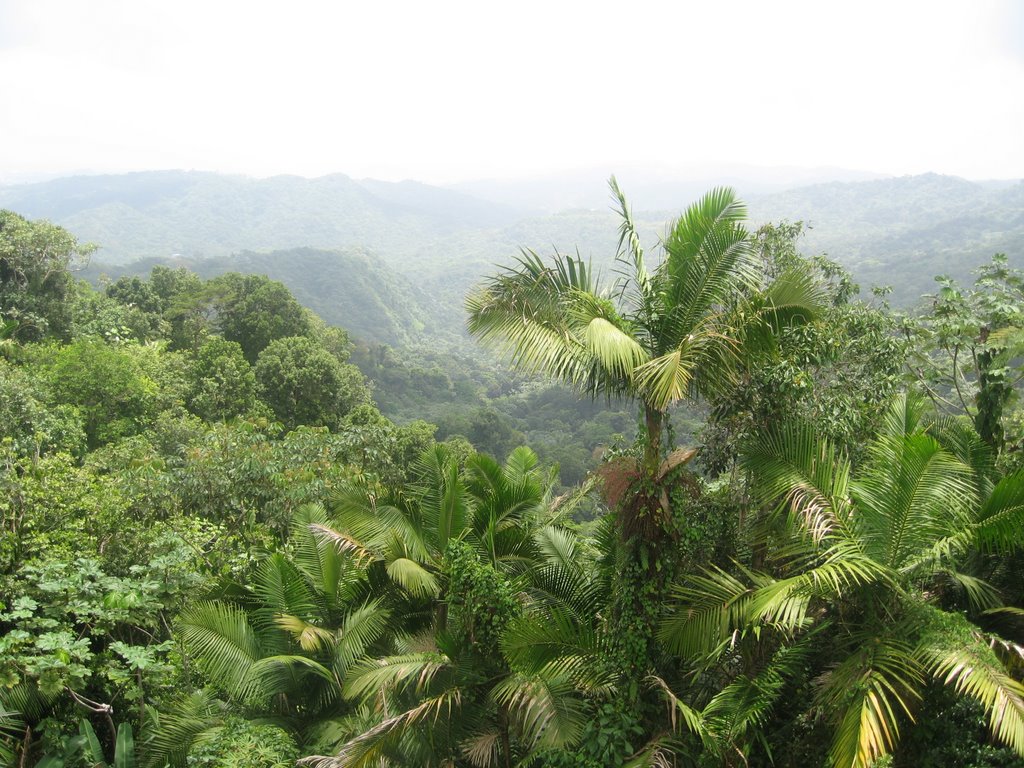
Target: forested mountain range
894, 231
346, 287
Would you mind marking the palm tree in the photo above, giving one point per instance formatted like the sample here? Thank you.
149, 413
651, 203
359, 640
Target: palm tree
658, 336
880, 562
280, 649
405, 532
500, 682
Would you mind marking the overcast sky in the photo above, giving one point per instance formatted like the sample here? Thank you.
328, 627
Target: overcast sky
443, 91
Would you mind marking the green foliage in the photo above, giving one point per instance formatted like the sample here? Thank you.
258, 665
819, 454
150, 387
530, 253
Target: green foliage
254, 311
863, 558
968, 348
304, 384
36, 259
110, 387
836, 371
29, 424
241, 743
222, 384
481, 601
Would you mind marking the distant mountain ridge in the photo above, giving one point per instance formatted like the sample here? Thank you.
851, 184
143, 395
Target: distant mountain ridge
438, 242
197, 214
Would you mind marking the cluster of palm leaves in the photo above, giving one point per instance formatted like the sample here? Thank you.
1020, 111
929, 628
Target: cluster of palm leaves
356, 642
889, 572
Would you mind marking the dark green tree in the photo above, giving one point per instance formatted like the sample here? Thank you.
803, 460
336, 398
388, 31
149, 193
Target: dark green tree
254, 311
36, 259
222, 384
305, 384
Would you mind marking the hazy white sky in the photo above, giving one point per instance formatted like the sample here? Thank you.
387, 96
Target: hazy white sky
450, 90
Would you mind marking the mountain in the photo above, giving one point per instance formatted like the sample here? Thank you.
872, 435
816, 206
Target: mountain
196, 215
441, 241
648, 188
347, 288
904, 231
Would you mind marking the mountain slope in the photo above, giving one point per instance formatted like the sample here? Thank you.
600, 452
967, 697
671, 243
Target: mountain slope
346, 288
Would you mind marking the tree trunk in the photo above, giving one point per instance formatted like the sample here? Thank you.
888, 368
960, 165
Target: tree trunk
652, 448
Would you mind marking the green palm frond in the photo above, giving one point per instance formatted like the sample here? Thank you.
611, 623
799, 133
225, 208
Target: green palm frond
796, 466
362, 627
441, 501
871, 692
552, 644
953, 651
180, 725
794, 298
981, 596
413, 577
224, 645
912, 494
998, 525
784, 602
522, 313
368, 750
544, 708
322, 564
559, 547
413, 671
709, 608
732, 719
282, 589
665, 379
285, 671
708, 256
636, 285
309, 637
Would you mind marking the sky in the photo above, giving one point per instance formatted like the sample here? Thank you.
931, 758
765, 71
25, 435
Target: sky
448, 91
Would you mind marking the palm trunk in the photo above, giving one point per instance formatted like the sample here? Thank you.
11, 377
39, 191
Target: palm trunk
653, 419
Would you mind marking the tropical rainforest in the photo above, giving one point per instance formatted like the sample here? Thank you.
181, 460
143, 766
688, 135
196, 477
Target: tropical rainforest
716, 507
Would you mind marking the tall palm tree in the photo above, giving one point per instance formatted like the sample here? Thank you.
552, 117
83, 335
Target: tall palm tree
881, 562
656, 335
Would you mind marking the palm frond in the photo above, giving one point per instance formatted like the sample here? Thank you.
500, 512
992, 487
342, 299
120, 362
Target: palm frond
792, 463
282, 590
481, 749
709, 608
551, 643
784, 602
1001, 518
544, 708
872, 691
953, 651
224, 645
180, 726
309, 637
361, 628
413, 671
522, 313
413, 577
636, 285
912, 494
368, 749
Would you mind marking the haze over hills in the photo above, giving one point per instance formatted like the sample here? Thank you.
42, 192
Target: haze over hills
649, 188
415, 249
